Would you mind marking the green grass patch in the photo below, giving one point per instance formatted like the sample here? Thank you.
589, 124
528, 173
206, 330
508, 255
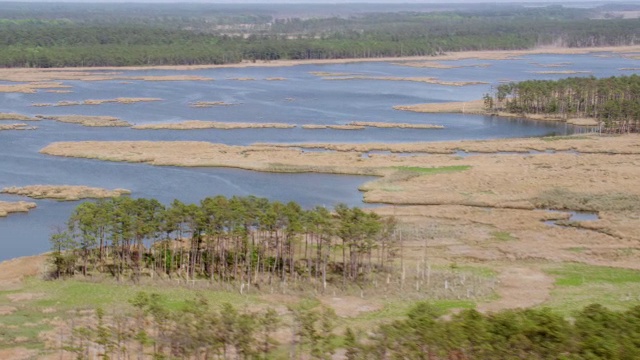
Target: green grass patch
503, 236
578, 285
433, 170
80, 294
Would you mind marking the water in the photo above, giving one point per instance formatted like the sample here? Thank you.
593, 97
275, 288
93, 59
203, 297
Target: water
302, 98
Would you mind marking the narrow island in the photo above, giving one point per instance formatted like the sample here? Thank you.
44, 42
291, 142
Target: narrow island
87, 120
7, 207
64, 192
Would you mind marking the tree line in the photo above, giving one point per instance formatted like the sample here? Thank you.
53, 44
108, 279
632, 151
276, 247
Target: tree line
199, 330
243, 240
30, 38
615, 101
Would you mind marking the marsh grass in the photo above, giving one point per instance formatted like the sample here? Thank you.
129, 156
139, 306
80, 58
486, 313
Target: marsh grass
433, 170
578, 285
560, 199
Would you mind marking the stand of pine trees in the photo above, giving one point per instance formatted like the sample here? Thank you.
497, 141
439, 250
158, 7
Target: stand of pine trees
199, 330
614, 101
244, 240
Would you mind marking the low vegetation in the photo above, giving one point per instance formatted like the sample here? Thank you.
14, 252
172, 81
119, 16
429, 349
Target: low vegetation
64, 192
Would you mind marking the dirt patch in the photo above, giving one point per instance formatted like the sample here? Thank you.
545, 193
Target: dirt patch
198, 124
64, 192
12, 207
520, 287
90, 121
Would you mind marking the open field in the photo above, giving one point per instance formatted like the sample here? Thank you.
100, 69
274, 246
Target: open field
64, 192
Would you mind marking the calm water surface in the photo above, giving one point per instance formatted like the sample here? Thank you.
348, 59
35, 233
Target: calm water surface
302, 98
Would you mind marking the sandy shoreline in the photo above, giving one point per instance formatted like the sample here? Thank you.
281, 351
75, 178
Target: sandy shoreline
488, 55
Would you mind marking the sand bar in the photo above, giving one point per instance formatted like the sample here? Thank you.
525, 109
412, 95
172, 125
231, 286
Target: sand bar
64, 192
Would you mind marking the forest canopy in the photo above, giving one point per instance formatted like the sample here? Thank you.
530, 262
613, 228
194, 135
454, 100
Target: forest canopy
58, 35
614, 101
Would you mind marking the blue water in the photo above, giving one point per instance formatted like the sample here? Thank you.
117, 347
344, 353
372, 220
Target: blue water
302, 98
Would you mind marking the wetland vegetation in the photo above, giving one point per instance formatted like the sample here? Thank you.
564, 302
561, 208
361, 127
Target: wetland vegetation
479, 253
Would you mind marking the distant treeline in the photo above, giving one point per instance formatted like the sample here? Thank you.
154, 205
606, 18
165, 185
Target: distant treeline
615, 100
199, 331
29, 38
246, 240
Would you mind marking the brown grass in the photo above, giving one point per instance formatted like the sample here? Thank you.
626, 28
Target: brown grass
470, 107
31, 87
120, 100
436, 65
562, 72
7, 208
208, 104
477, 107
198, 124
85, 120
385, 125
64, 192
333, 127
428, 80
14, 116
17, 127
